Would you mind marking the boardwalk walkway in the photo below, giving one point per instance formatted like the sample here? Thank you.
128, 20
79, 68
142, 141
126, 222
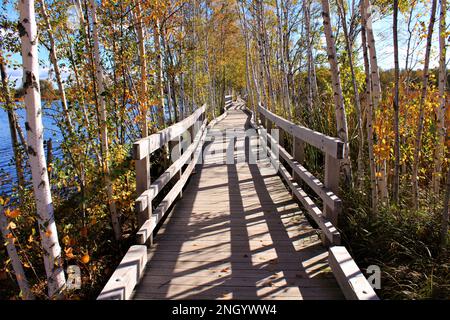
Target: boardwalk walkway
236, 233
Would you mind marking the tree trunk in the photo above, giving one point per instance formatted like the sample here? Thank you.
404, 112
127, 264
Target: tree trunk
14, 257
143, 94
341, 118
418, 141
396, 178
103, 123
440, 145
159, 75
369, 121
349, 47
44, 206
445, 215
12, 128
54, 61
366, 8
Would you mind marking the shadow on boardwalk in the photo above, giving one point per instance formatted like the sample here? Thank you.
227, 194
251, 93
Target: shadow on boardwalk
236, 234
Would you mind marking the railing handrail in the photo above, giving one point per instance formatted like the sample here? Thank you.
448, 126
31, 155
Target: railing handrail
329, 145
145, 146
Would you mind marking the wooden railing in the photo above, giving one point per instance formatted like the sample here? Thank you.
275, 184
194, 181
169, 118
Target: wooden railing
173, 136
353, 283
188, 136
327, 218
228, 101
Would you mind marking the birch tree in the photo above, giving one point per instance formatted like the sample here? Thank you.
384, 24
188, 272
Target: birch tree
143, 66
440, 144
12, 121
369, 108
349, 47
423, 96
103, 122
41, 186
396, 178
9, 239
341, 117
54, 61
375, 87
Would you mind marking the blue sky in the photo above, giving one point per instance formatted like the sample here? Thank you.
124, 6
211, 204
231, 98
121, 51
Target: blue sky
382, 30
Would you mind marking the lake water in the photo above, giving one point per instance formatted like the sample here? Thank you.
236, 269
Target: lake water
8, 175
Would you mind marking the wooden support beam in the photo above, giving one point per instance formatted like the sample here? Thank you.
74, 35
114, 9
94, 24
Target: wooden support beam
332, 170
143, 182
349, 277
298, 151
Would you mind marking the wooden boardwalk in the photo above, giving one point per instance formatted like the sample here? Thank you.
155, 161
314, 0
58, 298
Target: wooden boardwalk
236, 233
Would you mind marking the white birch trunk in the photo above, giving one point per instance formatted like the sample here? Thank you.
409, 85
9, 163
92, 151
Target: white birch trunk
41, 186
14, 256
341, 118
440, 146
103, 125
376, 85
369, 122
349, 47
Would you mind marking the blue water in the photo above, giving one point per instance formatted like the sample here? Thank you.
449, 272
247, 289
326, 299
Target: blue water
8, 175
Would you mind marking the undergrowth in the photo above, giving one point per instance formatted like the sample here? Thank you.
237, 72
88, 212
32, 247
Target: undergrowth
402, 242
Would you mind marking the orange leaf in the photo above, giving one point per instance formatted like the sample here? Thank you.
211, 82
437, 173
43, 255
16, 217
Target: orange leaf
12, 213
85, 258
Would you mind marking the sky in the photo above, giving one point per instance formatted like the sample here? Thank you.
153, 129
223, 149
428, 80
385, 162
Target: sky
383, 39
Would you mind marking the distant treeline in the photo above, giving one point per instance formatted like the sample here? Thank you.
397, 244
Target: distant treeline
48, 92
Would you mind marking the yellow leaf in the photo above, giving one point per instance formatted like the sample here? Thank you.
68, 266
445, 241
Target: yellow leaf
11, 226
66, 240
69, 253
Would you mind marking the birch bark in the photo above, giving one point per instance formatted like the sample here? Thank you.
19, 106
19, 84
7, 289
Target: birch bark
41, 186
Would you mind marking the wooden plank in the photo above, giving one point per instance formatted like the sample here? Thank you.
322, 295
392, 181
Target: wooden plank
147, 145
329, 145
349, 277
130, 270
221, 290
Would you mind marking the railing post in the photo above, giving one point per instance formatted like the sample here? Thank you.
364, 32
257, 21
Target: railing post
175, 146
143, 183
298, 151
281, 135
332, 170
